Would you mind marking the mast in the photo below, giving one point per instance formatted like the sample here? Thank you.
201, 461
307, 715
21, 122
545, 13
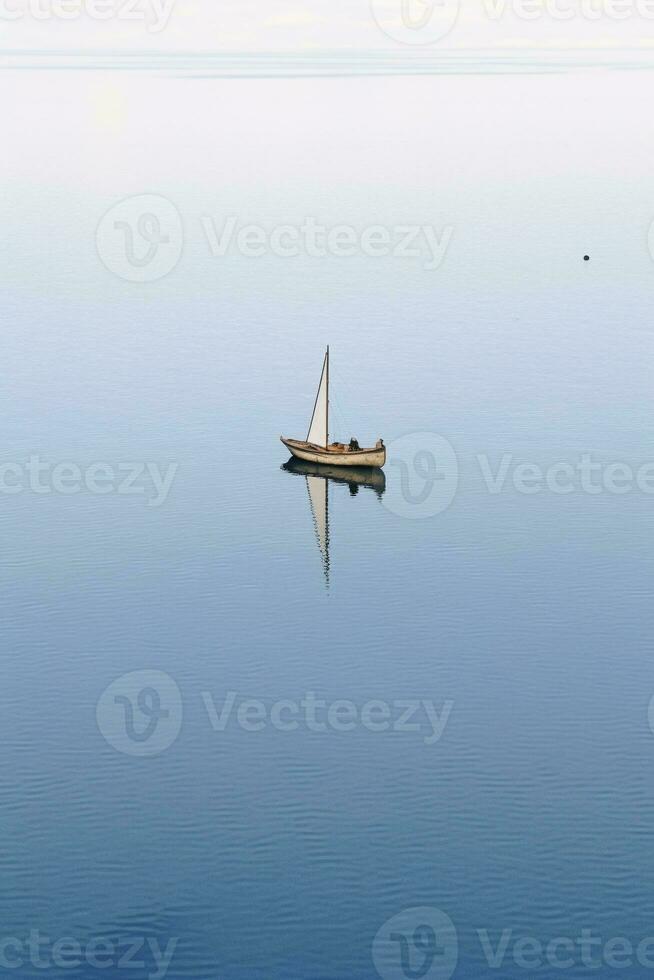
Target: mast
318, 427
327, 405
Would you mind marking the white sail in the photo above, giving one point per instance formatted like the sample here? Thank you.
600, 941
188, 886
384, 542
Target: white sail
318, 488
318, 428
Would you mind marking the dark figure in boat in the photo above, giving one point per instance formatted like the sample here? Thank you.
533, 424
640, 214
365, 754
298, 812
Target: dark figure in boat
354, 447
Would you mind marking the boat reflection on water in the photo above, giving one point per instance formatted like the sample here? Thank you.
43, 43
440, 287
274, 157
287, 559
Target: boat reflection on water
318, 477
354, 476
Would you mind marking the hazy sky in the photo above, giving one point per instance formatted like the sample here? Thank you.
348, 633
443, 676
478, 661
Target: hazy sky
308, 25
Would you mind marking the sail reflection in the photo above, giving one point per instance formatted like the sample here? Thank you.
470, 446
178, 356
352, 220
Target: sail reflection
318, 477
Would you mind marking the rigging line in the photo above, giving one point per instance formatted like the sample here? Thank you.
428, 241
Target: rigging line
341, 420
344, 417
362, 414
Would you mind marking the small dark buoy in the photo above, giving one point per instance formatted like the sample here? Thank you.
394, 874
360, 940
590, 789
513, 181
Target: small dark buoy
586, 258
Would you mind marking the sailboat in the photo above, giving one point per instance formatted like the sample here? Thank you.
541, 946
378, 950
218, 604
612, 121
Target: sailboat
316, 448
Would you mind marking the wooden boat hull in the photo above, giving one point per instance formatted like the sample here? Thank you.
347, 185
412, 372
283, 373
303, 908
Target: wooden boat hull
315, 454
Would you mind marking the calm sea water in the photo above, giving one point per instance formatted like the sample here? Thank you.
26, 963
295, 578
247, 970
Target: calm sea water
523, 619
